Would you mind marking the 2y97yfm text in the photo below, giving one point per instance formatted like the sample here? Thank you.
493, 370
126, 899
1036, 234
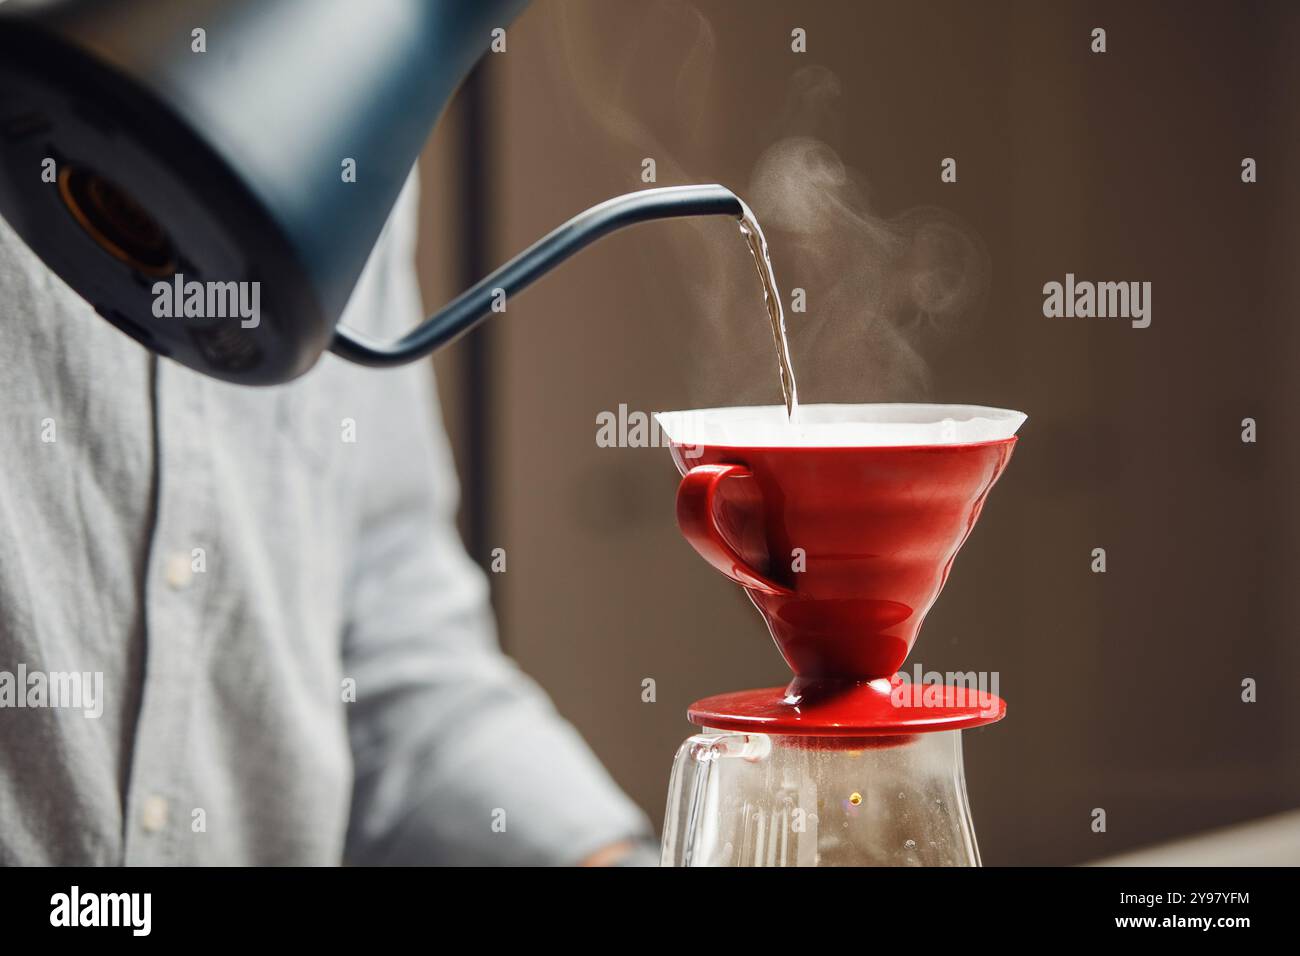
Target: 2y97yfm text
1212, 898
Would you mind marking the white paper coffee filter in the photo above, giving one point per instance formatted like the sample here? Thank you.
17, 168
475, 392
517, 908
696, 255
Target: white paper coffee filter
840, 426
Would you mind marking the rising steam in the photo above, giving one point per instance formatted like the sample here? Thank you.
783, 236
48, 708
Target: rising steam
881, 289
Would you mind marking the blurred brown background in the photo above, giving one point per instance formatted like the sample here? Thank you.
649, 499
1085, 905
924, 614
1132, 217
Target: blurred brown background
1124, 688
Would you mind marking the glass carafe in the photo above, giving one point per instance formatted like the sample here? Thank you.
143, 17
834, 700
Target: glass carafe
751, 799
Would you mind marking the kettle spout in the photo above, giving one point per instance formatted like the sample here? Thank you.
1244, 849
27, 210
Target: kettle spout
475, 303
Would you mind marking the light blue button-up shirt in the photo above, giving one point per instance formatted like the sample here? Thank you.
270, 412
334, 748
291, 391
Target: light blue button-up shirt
296, 656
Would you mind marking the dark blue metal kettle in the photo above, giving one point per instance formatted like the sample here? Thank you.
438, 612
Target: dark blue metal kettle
211, 139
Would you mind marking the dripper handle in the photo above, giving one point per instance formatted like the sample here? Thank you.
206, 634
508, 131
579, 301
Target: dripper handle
697, 517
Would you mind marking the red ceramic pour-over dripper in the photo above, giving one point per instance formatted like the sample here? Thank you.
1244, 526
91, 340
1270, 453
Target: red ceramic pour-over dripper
843, 550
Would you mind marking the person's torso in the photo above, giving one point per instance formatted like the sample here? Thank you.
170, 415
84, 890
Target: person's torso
187, 540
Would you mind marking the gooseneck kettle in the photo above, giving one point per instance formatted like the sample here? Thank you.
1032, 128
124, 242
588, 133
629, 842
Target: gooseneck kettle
141, 140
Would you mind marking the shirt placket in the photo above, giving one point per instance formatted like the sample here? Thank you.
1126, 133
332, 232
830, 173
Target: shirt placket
160, 798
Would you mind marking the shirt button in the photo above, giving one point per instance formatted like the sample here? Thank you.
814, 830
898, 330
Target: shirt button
153, 814
179, 571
